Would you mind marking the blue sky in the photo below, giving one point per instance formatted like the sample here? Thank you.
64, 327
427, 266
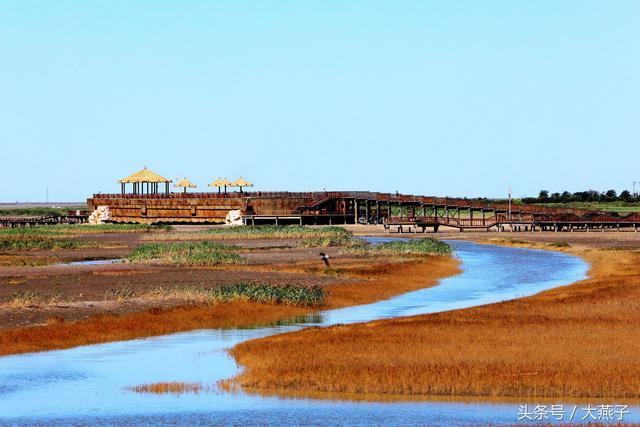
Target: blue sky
458, 98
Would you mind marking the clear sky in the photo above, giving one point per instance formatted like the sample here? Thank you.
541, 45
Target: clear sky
458, 98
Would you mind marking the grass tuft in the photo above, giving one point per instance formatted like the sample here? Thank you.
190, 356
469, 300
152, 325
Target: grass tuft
170, 388
76, 229
29, 298
189, 253
289, 294
279, 232
409, 247
31, 243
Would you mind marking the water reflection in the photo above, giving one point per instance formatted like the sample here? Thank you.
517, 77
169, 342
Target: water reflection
87, 384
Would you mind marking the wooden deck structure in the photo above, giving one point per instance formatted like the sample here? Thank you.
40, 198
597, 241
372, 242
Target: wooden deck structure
28, 221
396, 211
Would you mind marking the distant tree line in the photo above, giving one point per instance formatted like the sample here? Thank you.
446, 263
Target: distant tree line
582, 196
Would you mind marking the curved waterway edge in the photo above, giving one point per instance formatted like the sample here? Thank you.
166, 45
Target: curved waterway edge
88, 384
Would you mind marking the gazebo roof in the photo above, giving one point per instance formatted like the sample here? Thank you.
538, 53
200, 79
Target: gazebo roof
241, 182
184, 182
220, 182
144, 175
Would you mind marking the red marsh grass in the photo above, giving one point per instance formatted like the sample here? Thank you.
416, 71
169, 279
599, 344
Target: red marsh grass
369, 281
170, 388
579, 340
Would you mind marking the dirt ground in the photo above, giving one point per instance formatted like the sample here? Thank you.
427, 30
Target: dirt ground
83, 289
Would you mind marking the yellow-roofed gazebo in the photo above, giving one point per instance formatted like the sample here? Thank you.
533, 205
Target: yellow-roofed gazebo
145, 181
185, 183
221, 182
241, 182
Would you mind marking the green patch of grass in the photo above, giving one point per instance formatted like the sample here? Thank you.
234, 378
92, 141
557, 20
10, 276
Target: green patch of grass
279, 232
560, 245
31, 243
409, 247
75, 229
39, 211
188, 253
289, 294
617, 206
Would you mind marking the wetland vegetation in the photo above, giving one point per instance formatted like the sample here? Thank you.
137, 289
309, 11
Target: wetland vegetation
188, 253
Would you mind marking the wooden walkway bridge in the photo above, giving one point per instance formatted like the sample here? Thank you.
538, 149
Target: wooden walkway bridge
29, 221
398, 212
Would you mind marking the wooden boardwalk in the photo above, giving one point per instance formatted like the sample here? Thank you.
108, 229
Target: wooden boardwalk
397, 212
29, 221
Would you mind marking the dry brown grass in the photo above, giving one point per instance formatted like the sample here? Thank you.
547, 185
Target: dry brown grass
12, 260
373, 281
575, 341
152, 322
171, 388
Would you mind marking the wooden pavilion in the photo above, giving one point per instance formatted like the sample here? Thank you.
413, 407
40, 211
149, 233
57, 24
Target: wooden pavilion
144, 181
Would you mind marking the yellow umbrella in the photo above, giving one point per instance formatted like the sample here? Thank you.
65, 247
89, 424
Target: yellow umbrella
220, 182
185, 183
241, 182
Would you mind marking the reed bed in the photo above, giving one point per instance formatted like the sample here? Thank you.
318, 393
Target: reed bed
171, 388
426, 246
369, 280
266, 293
575, 341
188, 253
30, 299
32, 242
12, 260
78, 229
59, 334
277, 232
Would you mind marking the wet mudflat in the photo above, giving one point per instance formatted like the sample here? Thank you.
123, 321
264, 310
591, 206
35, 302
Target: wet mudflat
88, 384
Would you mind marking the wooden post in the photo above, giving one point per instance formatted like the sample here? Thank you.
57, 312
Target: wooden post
355, 211
366, 212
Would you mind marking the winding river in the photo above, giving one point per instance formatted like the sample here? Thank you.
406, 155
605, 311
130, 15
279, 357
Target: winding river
86, 385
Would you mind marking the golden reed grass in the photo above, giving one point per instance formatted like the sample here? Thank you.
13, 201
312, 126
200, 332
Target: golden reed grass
579, 340
373, 281
170, 387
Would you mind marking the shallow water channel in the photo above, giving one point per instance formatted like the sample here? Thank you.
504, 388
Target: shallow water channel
87, 384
